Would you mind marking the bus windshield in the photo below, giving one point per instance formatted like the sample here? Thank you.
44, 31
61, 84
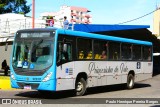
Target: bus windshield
33, 54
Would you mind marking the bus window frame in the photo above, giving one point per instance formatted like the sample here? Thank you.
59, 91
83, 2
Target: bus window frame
77, 48
100, 40
141, 59
108, 52
109, 59
151, 51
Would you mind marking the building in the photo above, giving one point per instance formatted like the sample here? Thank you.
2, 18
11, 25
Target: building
75, 15
9, 24
156, 23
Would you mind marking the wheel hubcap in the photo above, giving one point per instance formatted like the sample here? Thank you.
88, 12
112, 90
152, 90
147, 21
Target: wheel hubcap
79, 86
131, 83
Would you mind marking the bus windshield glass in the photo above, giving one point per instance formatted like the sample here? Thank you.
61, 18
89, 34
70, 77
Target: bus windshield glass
33, 54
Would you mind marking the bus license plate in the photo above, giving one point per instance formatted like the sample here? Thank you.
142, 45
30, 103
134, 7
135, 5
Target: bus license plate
28, 87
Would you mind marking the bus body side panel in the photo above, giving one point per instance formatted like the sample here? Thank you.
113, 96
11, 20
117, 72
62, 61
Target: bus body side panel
65, 76
146, 72
100, 73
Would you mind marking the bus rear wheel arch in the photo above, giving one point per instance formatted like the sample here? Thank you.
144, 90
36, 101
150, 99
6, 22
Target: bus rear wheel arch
81, 84
130, 80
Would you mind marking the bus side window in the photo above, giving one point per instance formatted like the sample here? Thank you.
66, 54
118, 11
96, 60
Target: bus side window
126, 51
100, 50
89, 56
64, 55
136, 52
81, 55
84, 48
147, 51
115, 56
114, 50
69, 51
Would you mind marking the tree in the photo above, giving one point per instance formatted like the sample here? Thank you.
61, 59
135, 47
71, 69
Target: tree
2, 5
14, 6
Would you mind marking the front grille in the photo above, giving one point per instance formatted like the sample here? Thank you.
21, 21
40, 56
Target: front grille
33, 85
29, 72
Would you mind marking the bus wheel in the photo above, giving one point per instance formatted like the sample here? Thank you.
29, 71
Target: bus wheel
80, 87
42, 91
130, 81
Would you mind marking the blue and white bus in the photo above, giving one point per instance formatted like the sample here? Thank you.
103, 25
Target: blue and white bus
57, 59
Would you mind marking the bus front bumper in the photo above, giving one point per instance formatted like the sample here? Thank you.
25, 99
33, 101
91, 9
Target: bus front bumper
49, 85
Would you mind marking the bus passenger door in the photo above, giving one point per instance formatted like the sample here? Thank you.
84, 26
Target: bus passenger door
65, 66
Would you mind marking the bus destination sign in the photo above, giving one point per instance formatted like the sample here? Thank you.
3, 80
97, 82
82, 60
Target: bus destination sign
35, 35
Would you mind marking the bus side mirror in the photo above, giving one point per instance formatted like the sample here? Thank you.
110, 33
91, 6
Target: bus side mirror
6, 46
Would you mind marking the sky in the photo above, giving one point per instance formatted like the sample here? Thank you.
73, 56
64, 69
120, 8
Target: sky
105, 11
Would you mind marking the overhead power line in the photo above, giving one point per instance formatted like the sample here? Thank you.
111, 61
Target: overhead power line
138, 17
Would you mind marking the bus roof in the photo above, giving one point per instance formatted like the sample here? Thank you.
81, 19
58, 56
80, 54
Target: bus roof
103, 37
95, 28
89, 35
106, 27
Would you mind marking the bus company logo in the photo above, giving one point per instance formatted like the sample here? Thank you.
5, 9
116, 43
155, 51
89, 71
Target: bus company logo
96, 69
91, 67
106, 69
123, 68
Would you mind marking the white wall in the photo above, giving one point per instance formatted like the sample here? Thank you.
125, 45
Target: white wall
5, 54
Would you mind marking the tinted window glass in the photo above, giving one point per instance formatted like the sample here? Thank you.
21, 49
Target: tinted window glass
147, 53
136, 52
126, 51
84, 48
114, 50
100, 50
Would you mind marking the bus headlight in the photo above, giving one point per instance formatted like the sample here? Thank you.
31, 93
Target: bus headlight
12, 76
47, 77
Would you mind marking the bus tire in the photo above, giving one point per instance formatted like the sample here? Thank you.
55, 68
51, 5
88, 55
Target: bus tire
42, 91
130, 81
80, 87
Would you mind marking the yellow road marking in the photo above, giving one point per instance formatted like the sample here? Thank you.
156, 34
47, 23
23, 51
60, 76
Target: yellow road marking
5, 83
4, 77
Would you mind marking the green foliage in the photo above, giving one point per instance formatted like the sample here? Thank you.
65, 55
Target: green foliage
14, 6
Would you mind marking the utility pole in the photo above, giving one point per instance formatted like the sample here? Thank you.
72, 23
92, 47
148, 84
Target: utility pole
33, 12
